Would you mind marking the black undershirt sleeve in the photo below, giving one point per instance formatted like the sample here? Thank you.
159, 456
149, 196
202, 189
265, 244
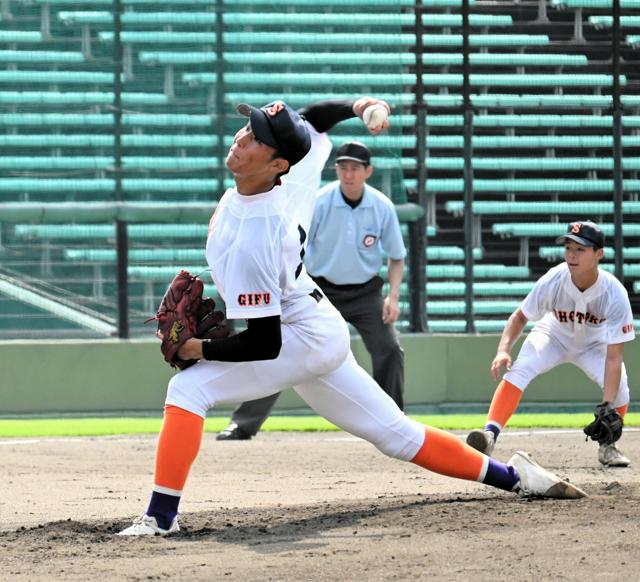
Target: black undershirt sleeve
261, 340
323, 115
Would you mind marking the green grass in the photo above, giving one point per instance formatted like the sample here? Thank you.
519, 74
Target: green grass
76, 427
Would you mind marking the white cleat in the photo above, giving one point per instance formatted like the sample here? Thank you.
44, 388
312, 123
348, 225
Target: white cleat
147, 525
610, 456
482, 440
536, 481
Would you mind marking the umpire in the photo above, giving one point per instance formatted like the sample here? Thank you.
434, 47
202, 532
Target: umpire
352, 225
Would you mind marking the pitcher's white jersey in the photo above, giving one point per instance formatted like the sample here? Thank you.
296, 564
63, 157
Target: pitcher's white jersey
256, 243
599, 315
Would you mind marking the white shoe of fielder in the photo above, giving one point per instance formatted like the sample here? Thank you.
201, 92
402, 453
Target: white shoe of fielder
610, 456
482, 440
536, 481
147, 525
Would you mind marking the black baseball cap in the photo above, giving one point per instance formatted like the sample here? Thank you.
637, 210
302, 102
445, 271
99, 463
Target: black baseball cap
585, 233
354, 151
280, 127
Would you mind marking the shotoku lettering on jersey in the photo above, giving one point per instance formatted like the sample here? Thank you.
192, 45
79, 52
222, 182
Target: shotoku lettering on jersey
564, 316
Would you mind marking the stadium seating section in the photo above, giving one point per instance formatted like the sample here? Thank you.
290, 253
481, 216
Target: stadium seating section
542, 147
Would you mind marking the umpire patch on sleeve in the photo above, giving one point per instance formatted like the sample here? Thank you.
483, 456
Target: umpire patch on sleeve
369, 240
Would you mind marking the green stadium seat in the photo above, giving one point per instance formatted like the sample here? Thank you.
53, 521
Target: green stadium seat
80, 2
542, 164
505, 59
105, 162
56, 77
161, 38
128, 140
20, 36
628, 269
146, 273
282, 19
325, 39
528, 185
631, 4
531, 141
607, 21
179, 58
393, 4
108, 231
404, 228
556, 253
195, 255
531, 100
127, 18
525, 80
107, 185
26, 56
547, 229
76, 98
633, 40
492, 289
479, 272
479, 307
450, 253
544, 120
301, 79
55, 162
570, 208
359, 58
105, 119
391, 79
636, 289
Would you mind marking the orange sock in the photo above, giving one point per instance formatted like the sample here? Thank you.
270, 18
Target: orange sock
178, 447
446, 454
504, 403
622, 410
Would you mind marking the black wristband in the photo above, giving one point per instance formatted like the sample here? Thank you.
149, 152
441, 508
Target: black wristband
323, 115
261, 340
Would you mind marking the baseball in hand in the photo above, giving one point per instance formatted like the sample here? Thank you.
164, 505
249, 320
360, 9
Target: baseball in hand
374, 116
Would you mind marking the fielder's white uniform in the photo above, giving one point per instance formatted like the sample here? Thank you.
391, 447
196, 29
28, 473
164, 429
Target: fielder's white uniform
255, 249
574, 327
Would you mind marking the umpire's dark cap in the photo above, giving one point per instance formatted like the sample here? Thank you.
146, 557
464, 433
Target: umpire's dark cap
585, 233
280, 127
354, 151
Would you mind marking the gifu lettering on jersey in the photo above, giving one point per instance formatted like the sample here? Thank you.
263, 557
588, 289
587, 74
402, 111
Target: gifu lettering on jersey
254, 299
627, 328
577, 317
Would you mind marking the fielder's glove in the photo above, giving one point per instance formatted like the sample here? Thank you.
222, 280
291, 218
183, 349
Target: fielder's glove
183, 313
606, 428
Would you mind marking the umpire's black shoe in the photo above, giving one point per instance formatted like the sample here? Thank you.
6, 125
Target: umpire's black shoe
233, 433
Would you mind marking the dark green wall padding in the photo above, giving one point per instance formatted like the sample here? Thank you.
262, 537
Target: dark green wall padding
43, 377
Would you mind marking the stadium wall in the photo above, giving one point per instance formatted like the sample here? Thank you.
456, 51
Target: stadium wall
45, 377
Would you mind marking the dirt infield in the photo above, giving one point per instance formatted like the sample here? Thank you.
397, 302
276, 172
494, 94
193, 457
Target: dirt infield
321, 506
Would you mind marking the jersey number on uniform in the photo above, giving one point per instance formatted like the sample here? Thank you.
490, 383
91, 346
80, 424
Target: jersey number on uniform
303, 237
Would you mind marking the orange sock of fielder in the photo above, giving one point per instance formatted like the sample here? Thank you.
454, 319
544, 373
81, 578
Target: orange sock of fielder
505, 401
622, 410
178, 447
444, 453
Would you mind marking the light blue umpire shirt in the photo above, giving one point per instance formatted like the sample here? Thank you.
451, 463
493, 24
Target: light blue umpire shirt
347, 245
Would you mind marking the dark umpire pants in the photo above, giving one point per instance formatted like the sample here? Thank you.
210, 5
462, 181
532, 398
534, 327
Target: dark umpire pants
361, 306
